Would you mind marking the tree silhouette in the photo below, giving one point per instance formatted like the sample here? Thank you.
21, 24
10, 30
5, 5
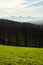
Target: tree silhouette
20, 34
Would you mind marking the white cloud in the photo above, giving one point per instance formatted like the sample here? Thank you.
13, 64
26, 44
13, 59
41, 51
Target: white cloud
16, 8
10, 4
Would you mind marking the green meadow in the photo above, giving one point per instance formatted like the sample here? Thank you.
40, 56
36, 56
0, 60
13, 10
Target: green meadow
12, 55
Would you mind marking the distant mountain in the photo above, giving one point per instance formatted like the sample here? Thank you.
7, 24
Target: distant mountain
39, 22
26, 19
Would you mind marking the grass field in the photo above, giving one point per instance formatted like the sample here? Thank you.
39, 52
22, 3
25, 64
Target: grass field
10, 55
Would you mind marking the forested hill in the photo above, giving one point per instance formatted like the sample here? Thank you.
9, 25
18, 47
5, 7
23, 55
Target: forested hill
20, 34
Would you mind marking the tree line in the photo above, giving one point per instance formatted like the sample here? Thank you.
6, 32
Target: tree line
20, 34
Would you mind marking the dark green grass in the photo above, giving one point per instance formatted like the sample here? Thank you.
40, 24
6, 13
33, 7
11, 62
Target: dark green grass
10, 55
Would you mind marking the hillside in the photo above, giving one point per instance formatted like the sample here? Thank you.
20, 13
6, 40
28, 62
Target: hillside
20, 34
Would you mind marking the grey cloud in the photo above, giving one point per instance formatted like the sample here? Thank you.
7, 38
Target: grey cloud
26, 19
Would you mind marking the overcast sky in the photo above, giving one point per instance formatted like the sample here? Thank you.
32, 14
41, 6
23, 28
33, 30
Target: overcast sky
24, 8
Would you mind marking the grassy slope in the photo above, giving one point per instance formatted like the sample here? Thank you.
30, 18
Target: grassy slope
20, 56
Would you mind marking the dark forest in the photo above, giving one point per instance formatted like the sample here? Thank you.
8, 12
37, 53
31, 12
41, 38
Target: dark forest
20, 34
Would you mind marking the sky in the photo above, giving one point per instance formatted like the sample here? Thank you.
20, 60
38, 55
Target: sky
21, 10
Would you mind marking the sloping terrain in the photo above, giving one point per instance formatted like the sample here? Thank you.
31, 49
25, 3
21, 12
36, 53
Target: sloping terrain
20, 34
10, 55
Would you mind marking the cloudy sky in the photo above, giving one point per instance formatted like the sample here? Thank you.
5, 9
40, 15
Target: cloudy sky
21, 9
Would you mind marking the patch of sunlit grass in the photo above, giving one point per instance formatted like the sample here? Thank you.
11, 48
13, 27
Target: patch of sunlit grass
10, 55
